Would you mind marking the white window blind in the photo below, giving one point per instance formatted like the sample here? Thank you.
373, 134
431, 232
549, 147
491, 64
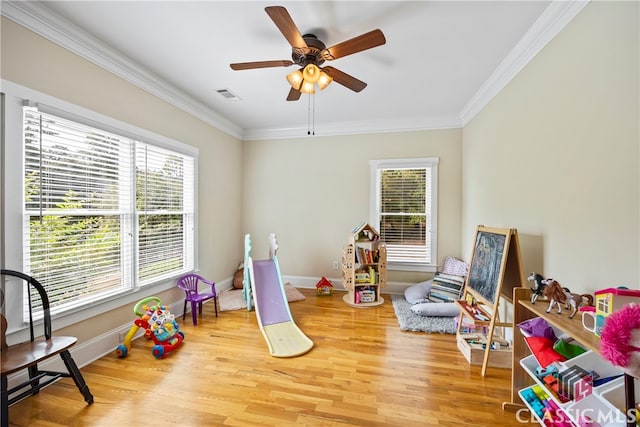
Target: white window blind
404, 209
84, 187
164, 207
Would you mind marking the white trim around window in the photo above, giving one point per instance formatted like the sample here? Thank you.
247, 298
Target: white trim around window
13, 172
411, 232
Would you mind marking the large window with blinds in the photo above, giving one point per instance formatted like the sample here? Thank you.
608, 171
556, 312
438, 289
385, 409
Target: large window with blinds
104, 212
404, 207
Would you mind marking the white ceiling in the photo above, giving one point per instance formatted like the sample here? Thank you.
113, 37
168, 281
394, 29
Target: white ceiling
442, 61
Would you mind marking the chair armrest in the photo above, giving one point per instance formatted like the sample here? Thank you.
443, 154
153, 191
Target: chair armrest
210, 283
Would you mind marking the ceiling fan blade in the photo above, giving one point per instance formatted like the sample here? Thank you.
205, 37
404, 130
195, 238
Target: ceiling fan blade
357, 44
294, 95
345, 79
287, 27
260, 64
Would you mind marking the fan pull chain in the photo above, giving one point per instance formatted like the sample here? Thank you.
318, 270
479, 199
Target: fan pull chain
313, 123
309, 114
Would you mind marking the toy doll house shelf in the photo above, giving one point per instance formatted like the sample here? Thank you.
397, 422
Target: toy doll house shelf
364, 267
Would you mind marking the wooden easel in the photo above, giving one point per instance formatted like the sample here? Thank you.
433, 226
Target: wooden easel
496, 268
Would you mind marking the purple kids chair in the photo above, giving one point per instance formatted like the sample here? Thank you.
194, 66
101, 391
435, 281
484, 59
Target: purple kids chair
189, 284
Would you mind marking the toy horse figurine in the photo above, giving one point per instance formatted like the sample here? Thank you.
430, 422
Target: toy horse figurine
559, 295
540, 284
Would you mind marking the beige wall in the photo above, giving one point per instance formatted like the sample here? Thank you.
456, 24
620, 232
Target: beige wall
33, 62
312, 191
556, 155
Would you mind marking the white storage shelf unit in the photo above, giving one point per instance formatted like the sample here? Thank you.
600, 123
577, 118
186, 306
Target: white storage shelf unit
605, 405
607, 402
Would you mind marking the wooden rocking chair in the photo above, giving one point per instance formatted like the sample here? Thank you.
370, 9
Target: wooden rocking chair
27, 355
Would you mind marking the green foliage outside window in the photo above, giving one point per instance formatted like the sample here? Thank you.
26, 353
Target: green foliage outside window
83, 226
402, 206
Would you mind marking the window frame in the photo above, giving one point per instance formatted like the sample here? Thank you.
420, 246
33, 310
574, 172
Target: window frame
11, 254
429, 163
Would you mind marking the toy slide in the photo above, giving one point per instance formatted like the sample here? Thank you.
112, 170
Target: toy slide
283, 336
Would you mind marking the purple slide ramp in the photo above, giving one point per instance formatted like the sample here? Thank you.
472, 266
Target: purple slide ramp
269, 296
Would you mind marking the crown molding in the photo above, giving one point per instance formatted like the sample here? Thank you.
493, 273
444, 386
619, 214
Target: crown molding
42, 21
357, 128
553, 20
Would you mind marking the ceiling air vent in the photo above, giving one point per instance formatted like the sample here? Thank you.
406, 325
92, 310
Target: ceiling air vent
228, 94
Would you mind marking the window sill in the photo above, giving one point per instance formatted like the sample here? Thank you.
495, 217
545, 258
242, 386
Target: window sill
424, 268
95, 308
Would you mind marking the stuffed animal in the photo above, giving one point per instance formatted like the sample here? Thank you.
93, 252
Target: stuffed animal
620, 339
238, 277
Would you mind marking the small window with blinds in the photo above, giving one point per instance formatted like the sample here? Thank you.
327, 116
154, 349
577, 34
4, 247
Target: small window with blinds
103, 213
403, 194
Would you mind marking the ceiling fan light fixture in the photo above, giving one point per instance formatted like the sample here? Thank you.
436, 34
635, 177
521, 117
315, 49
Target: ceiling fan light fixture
324, 80
309, 53
295, 79
311, 73
307, 87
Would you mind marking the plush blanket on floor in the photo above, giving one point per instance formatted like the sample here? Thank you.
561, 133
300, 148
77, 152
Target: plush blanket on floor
231, 299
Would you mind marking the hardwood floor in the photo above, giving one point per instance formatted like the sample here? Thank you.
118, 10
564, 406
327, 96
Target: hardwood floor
362, 371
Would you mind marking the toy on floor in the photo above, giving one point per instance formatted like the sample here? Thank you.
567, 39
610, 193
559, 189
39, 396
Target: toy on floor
264, 286
324, 287
159, 325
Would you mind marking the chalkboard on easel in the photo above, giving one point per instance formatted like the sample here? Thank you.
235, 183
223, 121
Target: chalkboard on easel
487, 263
495, 269
496, 265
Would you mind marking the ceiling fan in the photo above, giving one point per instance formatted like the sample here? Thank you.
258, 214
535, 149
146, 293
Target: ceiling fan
309, 53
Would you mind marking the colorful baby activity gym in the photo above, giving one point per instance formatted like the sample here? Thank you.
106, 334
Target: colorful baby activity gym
159, 325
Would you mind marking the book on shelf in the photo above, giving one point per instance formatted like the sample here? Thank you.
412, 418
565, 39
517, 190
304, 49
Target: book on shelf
366, 256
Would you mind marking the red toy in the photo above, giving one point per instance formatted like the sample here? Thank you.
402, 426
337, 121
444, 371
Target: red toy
324, 287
